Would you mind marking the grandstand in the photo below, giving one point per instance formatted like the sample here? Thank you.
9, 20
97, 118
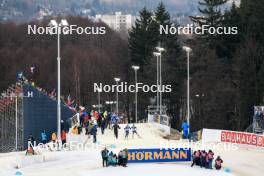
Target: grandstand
26, 109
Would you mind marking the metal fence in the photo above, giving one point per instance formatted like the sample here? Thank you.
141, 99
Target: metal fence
11, 119
23, 115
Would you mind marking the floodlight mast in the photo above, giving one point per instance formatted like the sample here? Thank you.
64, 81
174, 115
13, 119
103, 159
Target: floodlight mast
58, 26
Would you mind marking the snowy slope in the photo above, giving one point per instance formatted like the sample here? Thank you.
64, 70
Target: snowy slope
84, 163
243, 162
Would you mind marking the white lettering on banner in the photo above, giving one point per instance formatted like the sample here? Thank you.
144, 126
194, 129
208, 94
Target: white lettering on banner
30, 94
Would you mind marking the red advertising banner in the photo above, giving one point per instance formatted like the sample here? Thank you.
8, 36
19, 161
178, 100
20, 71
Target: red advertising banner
242, 138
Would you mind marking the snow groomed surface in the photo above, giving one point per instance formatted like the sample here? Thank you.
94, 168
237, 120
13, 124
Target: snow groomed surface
240, 162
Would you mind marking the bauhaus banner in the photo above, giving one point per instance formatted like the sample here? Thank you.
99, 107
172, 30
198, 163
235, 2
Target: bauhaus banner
242, 138
158, 155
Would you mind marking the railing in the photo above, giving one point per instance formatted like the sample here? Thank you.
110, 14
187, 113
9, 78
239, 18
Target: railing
11, 118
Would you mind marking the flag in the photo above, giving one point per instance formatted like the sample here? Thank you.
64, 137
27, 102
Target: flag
32, 69
53, 93
20, 75
69, 100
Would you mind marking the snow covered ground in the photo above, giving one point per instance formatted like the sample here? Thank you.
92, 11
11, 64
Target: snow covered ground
83, 163
243, 162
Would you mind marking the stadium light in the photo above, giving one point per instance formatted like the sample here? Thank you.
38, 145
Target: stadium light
136, 68
188, 50
159, 77
58, 26
99, 101
117, 80
160, 50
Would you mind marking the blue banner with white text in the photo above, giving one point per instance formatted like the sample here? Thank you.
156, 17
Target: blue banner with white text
159, 155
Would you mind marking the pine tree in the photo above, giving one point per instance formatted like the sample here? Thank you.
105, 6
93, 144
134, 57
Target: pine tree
229, 43
142, 39
162, 17
211, 16
252, 12
170, 60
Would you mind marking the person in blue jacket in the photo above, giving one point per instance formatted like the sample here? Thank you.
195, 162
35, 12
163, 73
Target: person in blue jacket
44, 137
185, 129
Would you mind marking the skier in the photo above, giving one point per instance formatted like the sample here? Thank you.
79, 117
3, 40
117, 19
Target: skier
218, 163
127, 128
116, 127
196, 158
104, 154
134, 130
44, 137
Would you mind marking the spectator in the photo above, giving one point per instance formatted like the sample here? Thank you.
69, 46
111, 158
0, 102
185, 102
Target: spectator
196, 158
44, 137
114, 160
125, 157
104, 154
75, 130
218, 163
203, 158
185, 128
108, 120
103, 123
210, 157
120, 158
31, 141
94, 133
63, 137
53, 137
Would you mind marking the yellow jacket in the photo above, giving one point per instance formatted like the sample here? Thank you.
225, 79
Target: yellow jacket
75, 131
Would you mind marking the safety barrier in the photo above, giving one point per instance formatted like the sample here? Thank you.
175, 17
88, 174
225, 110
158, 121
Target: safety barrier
159, 155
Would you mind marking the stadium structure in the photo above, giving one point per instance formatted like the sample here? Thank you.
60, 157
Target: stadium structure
26, 109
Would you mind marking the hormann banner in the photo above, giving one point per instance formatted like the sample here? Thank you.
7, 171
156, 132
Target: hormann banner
159, 155
242, 138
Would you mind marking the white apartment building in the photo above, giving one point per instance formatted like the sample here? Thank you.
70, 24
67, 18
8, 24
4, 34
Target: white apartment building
117, 22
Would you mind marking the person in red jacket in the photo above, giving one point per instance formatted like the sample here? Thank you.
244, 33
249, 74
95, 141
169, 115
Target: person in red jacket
63, 136
211, 158
218, 163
